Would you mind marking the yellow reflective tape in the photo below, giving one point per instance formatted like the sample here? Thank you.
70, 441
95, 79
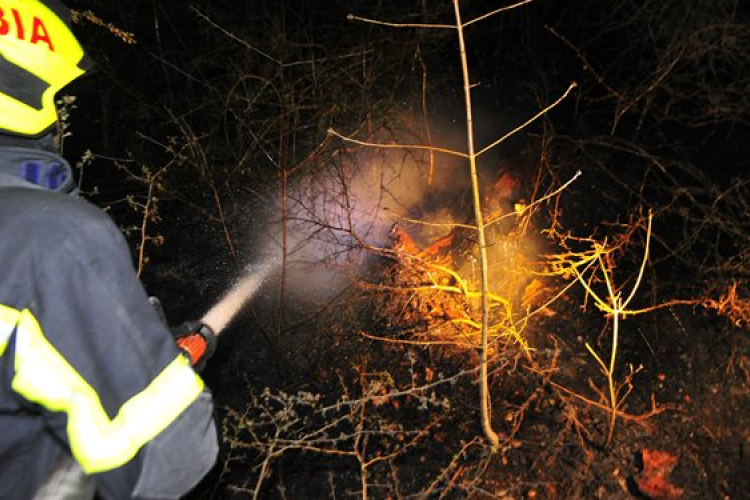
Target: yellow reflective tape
19, 118
99, 444
8, 320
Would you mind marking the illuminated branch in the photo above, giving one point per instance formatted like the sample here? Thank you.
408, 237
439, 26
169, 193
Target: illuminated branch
484, 402
497, 11
615, 306
397, 146
352, 17
529, 121
537, 202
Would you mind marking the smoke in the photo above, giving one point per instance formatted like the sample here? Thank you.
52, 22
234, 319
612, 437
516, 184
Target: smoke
337, 215
343, 208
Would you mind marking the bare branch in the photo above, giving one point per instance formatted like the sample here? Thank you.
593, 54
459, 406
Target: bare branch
398, 146
530, 120
352, 17
497, 11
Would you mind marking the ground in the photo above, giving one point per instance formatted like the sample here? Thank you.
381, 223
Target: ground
682, 434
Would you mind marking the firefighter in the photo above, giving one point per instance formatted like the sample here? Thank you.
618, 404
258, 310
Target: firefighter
94, 393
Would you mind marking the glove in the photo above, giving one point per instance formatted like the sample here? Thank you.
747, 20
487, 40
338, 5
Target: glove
197, 341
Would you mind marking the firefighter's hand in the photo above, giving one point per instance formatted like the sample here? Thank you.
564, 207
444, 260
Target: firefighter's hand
197, 341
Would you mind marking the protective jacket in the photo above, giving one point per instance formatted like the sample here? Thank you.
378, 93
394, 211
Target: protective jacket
86, 366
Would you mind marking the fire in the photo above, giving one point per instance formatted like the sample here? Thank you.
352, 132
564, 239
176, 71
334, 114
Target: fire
429, 293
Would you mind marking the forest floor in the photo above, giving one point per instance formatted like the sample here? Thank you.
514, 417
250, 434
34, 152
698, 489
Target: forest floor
683, 432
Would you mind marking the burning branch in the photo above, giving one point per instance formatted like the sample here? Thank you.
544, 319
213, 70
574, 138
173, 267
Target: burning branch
731, 305
429, 297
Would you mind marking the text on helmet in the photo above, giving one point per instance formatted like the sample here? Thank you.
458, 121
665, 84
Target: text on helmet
19, 25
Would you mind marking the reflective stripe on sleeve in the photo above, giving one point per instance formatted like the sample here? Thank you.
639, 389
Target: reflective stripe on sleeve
99, 444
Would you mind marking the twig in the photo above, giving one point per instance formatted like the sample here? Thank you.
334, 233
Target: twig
397, 146
497, 11
352, 17
530, 120
537, 202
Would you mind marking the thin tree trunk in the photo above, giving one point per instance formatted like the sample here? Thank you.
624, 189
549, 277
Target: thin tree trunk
489, 433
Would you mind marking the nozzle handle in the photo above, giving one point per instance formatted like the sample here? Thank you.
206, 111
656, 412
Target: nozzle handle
197, 341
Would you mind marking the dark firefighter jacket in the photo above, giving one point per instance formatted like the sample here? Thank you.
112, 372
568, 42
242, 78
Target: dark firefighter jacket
86, 365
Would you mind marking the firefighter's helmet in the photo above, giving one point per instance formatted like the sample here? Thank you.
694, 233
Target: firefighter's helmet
39, 55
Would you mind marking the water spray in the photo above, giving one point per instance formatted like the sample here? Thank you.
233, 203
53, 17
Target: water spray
197, 339
226, 309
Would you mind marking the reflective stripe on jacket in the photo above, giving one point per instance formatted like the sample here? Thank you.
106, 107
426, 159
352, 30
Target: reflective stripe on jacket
86, 365
43, 376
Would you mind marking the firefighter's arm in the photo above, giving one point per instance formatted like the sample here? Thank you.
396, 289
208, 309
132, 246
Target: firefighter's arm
135, 414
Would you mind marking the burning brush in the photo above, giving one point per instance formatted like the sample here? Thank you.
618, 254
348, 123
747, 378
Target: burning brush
432, 297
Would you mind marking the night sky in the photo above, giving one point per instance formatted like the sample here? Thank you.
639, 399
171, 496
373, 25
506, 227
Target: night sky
675, 71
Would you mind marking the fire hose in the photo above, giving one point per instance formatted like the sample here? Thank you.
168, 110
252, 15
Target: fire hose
196, 339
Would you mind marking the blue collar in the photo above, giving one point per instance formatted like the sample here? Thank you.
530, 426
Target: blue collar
36, 169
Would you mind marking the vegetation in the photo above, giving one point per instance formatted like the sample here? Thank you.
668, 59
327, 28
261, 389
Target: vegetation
468, 205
